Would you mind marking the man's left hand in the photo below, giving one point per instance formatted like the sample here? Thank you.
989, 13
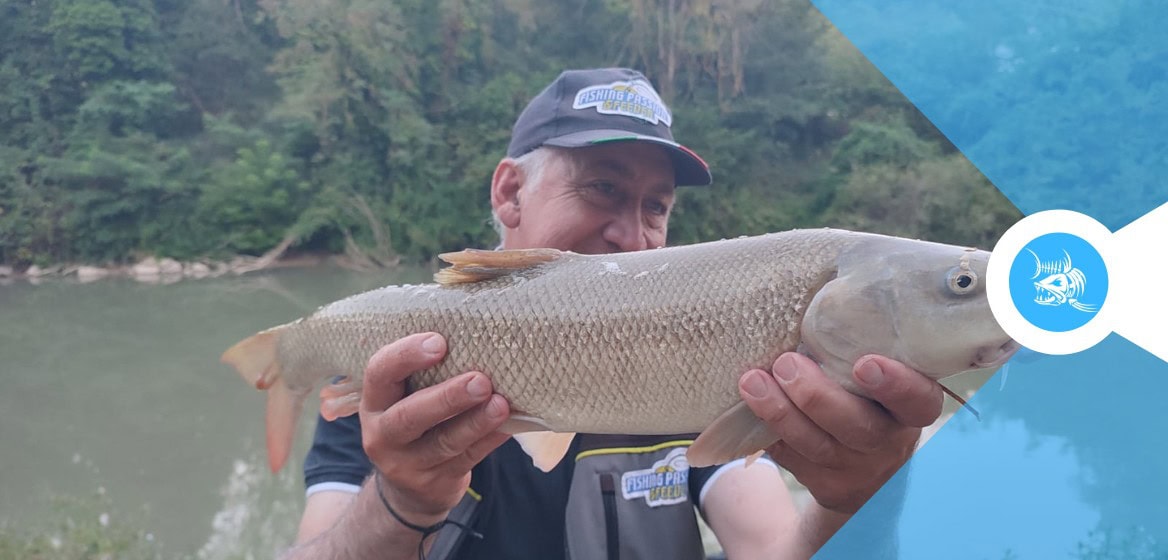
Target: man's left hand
842, 447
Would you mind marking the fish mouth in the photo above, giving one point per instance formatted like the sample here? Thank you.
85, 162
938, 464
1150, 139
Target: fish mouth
994, 356
1046, 296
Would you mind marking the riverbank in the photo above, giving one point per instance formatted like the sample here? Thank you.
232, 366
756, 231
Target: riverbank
168, 271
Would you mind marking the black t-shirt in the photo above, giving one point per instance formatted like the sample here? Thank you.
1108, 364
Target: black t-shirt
522, 508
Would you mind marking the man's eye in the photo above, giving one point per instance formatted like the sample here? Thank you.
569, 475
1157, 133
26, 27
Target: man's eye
604, 187
656, 208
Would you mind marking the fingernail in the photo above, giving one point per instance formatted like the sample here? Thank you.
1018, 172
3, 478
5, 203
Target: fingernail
496, 407
755, 385
478, 387
870, 373
787, 368
433, 344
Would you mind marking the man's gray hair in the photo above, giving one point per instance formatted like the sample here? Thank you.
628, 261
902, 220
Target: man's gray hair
533, 165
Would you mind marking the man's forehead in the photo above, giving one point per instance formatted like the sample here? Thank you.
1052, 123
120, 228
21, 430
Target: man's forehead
637, 151
653, 161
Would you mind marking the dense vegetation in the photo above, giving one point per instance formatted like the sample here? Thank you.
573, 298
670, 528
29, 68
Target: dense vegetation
203, 128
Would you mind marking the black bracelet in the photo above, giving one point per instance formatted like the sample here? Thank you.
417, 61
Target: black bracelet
425, 531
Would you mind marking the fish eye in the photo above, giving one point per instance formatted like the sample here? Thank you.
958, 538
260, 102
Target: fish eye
962, 281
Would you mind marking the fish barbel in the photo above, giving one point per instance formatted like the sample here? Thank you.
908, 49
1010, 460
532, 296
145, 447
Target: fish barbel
650, 342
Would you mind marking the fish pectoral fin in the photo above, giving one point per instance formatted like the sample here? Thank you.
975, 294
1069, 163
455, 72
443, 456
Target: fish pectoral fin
519, 423
476, 265
341, 398
545, 448
736, 433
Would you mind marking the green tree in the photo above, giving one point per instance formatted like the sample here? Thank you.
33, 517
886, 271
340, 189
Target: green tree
191, 128
255, 201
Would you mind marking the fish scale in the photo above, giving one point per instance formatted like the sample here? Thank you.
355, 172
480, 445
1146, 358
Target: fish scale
651, 342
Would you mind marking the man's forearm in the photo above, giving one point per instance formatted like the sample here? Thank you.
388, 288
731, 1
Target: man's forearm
877, 536
817, 524
364, 530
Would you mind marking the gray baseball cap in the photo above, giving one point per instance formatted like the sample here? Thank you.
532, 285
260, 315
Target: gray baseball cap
589, 107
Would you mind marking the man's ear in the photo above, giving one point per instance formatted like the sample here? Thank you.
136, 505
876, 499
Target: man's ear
505, 184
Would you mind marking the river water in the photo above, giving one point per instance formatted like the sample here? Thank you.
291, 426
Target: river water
111, 394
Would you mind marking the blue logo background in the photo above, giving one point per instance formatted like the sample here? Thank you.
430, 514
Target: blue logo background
1061, 106
1049, 248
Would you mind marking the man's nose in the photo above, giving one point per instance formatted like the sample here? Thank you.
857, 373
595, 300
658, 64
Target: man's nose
626, 232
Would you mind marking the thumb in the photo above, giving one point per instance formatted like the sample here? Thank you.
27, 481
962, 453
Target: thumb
387, 371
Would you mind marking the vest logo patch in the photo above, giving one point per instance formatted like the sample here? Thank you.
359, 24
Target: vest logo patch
667, 482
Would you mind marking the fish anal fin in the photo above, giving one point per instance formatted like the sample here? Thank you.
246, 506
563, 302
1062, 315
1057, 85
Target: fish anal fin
546, 448
476, 265
735, 434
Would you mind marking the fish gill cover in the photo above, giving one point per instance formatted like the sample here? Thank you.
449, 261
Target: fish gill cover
1062, 106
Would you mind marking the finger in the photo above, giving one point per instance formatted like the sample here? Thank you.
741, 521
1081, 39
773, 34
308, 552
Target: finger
854, 421
911, 398
454, 437
475, 453
770, 403
408, 419
387, 370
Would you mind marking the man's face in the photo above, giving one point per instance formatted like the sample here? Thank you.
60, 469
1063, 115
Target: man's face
617, 199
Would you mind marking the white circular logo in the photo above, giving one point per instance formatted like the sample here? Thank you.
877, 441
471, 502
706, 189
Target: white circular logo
1047, 282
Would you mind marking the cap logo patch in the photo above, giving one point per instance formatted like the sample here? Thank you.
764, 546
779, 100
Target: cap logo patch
635, 98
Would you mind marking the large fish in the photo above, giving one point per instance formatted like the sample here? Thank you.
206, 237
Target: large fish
651, 342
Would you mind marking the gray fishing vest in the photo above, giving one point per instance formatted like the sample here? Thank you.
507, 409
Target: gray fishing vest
629, 500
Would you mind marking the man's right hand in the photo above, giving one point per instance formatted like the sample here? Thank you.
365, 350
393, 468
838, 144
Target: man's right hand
426, 443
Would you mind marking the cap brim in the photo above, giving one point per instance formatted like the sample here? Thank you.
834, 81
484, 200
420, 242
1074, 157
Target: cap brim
688, 168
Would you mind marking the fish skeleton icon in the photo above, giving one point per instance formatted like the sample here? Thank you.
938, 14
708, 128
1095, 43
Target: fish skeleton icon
1062, 283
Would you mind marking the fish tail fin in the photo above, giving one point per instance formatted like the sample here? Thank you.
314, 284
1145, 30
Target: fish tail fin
255, 358
284, 407
257, 361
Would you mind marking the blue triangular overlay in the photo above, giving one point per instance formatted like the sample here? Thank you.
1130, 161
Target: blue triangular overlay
1061, 105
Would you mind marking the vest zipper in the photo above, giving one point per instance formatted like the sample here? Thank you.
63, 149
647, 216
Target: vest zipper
612, 532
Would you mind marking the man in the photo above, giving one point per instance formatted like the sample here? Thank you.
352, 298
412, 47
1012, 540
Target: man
592, 168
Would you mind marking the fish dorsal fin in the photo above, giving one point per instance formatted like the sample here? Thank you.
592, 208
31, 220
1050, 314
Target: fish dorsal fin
476, 265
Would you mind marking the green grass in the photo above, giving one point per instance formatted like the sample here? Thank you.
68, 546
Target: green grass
78, 529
